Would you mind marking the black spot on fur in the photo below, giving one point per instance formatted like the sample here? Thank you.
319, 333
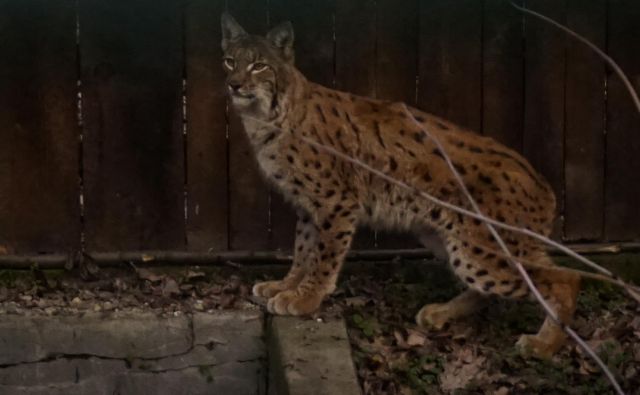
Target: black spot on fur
437, 152
393, 165
269, 138
485, 179
419, 136
321, 113
376, 128
342, 235
442, 126
488, 285
460, 169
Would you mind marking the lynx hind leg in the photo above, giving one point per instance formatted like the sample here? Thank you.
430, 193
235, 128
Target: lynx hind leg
304, 247
560, 290
487, 273
483, 272
436, 315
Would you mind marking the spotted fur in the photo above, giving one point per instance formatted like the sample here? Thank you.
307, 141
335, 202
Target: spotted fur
278, 107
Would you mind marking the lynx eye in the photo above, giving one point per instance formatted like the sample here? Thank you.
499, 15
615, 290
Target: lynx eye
258, 67
229, 63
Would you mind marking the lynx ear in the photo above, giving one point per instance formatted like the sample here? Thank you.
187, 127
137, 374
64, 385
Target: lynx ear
231, 30
282, 37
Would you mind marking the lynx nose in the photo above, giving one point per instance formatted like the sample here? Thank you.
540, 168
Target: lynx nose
234, 86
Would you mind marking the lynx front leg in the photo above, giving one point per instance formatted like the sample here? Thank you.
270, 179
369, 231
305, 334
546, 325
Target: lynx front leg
335, 232
304, 251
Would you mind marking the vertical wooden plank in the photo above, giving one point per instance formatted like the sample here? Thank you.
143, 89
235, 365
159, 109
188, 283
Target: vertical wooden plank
450, 60
313, 29
397, 50
544, 97
396, 72
584, 129
38, 127
207, 194
355, 32
502, 73
623, 122
248, 193
131, 55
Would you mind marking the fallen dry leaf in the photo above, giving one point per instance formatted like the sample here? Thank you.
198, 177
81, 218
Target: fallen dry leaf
415, 338
145, 274
458, 374
170, 287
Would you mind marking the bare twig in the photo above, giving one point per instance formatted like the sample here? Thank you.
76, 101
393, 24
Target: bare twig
607, 58
518, 266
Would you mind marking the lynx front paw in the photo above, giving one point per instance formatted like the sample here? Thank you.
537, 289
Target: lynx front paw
292, 302
434, 315
533, 345
269, 289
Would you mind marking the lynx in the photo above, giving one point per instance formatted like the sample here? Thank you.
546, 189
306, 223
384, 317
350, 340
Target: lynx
279, 107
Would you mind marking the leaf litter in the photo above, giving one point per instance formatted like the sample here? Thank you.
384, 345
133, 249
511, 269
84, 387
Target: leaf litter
476, 354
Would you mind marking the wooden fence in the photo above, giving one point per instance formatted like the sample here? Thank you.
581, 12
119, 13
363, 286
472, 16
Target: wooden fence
114, 131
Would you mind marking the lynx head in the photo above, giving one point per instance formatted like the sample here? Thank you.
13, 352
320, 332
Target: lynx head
258, 68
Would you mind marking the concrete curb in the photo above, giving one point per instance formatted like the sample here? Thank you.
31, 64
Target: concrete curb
218, 353
307, 357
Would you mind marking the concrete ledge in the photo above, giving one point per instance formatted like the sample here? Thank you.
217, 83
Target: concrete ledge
221, 353
310, 358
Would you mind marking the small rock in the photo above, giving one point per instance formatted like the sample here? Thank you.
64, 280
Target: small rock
76, 301
26, 298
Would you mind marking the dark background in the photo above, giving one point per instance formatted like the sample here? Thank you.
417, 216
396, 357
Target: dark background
122, 103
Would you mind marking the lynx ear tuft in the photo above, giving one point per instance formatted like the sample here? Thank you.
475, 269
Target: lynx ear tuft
282, 37
231, 30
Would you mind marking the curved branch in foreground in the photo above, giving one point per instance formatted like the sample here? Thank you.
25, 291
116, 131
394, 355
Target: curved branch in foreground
612, 63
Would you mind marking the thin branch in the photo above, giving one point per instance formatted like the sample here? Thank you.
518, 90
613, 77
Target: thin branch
612, 63
532, 287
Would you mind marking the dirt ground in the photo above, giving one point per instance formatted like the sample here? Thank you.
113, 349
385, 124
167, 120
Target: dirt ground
475, 355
